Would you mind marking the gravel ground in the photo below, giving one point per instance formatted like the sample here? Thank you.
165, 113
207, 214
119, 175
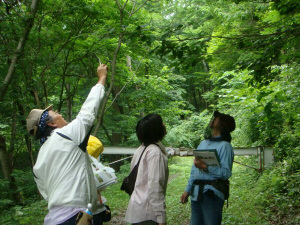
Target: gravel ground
117, 218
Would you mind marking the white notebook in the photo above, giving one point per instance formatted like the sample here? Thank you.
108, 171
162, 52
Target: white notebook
209, 156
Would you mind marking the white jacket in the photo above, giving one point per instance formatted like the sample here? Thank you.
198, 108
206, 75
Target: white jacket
63, 173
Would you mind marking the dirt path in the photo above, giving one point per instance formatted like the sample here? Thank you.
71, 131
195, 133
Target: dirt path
117, 218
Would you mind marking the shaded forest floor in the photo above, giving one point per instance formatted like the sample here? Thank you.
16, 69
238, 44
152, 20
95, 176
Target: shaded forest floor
241, 210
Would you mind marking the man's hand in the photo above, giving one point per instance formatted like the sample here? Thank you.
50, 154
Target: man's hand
184, 197
199, 164
102, 73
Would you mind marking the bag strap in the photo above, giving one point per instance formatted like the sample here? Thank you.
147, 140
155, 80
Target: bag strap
83, 144
64, 136
141, 156
143, 153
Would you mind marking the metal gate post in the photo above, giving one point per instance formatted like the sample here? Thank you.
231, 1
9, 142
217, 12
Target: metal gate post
259, 153
268, 156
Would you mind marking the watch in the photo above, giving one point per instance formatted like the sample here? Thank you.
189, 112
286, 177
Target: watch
206, 170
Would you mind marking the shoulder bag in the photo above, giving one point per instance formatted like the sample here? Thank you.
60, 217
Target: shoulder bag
129, 181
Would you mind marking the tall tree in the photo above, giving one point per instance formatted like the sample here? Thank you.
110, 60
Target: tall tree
29, 21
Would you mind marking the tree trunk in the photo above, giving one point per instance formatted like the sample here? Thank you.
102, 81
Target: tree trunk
5, 158
206, 67
128, 60
106, 133
116, 138
112, 77
69, 102
26, 135
114, 61
204, 88
146, 68
36, 97
29, 149
193, 90
20, 49
6, 165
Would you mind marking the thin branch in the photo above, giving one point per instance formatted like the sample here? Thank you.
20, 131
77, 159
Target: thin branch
118, 4
133, 74
238, 36
132, 10
63, 79
261, 2
112, 77
124, 5
12, 7
138, 8
106, 132
20, 48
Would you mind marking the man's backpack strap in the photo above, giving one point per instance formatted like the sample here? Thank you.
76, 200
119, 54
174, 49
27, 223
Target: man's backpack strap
83, 144
64, 136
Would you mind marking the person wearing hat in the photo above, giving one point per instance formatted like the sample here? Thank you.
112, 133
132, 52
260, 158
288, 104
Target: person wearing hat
63, 172
208, 186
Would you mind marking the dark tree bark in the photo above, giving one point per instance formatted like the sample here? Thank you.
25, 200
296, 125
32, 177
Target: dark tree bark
69, 102
26, 136
6, 165
5, 158
113, 73
114, 61
19, 51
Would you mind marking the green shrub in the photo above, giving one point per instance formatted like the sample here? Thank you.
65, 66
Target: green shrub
189, 132
5, 194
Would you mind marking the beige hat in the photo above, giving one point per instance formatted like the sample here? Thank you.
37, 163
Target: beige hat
33, 119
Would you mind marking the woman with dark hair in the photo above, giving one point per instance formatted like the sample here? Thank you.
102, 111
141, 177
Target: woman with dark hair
147, 202
208, 186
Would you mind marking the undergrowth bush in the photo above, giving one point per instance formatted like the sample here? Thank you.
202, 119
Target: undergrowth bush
5, 194
270, 197
189, 132
26, 185
280, 194
26, 188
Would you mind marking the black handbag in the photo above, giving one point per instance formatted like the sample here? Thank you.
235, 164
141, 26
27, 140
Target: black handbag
129, 181
107, 214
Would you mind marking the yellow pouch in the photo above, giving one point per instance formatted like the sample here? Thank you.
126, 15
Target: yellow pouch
94, 147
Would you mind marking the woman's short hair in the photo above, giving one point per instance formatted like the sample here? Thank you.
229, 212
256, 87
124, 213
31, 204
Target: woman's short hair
150, 129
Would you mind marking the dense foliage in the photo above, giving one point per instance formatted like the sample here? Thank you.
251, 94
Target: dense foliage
179, 58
